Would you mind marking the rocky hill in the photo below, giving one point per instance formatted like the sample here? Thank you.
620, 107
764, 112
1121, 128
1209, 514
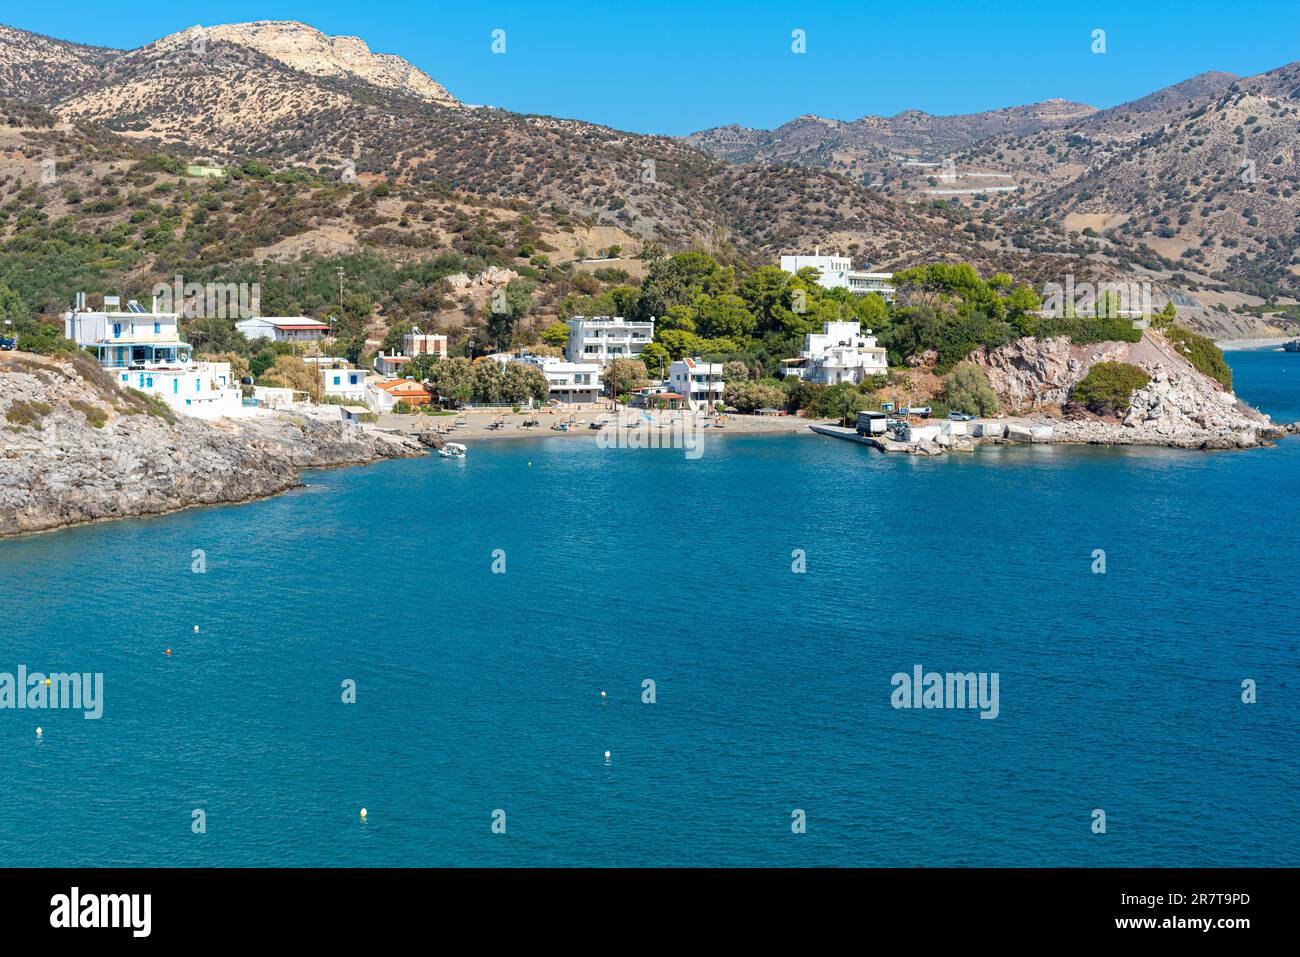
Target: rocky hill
1195, 187
75, 448
42, 69
862, 148
1180, 406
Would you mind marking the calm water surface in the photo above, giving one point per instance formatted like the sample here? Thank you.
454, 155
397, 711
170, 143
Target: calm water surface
479, 691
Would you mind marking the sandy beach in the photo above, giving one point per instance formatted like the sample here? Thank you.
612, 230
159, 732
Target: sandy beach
1245, 345
477, 422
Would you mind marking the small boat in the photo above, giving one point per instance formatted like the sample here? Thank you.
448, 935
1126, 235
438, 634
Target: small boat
1292, 346
453, 450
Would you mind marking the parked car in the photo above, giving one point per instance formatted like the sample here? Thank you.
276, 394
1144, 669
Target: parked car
8, 345
960, 417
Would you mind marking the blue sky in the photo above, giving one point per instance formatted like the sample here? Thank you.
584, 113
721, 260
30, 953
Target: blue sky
674, 67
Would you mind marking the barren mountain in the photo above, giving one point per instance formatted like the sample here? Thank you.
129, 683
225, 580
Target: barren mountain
1206, 174
859, 147
287, 94
41, 69
329, 123
309, 51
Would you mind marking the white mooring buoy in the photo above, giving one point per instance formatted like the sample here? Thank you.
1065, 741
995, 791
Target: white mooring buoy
363, 814
39, 732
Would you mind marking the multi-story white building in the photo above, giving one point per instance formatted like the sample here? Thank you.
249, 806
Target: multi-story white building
144, 350
839, 353
602, 338
416, 343
837, 272
570, 382
698, 382
283, 328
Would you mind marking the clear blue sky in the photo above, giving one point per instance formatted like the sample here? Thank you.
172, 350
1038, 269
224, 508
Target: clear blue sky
674, 67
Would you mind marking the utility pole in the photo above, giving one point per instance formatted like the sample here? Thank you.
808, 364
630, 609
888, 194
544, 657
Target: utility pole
341, 275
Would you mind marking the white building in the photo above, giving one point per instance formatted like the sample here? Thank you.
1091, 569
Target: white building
342, 380
698, 382
839, 353
569, 381
283, 328
144, 350
416, 343
837, 272
602, 338
274, 396
390, 365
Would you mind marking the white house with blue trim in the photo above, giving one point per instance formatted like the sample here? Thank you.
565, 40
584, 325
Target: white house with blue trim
340, 378
144, 350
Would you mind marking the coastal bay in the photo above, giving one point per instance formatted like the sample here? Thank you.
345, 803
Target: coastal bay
478, 691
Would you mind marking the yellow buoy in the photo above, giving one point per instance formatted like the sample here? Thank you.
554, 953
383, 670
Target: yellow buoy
169, 652
47, 682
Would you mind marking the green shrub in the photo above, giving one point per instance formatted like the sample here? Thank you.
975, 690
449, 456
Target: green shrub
1201, 352
841, 402
747, 396
23, 412
1085, 330
44, 340
1108, 386
967, 390
95, 415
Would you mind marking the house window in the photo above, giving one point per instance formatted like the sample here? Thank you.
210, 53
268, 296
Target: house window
117, 330
336, 380
176, 386
198, 385
352, 380
157, 328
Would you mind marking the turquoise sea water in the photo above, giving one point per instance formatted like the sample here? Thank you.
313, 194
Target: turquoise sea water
479, 691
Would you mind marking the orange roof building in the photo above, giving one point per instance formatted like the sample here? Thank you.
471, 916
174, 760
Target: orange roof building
408, 391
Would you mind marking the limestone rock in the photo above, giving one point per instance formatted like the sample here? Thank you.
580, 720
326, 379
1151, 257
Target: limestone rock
57, 468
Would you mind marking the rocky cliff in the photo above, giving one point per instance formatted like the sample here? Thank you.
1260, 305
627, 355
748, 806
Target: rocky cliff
75, 448
1180, 406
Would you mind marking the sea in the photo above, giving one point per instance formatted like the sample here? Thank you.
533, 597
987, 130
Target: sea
551, 653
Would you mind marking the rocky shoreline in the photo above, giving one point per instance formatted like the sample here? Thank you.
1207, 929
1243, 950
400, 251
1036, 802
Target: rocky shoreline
75, 449
1180, 407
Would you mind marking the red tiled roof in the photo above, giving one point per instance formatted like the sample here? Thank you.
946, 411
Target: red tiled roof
403, 385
